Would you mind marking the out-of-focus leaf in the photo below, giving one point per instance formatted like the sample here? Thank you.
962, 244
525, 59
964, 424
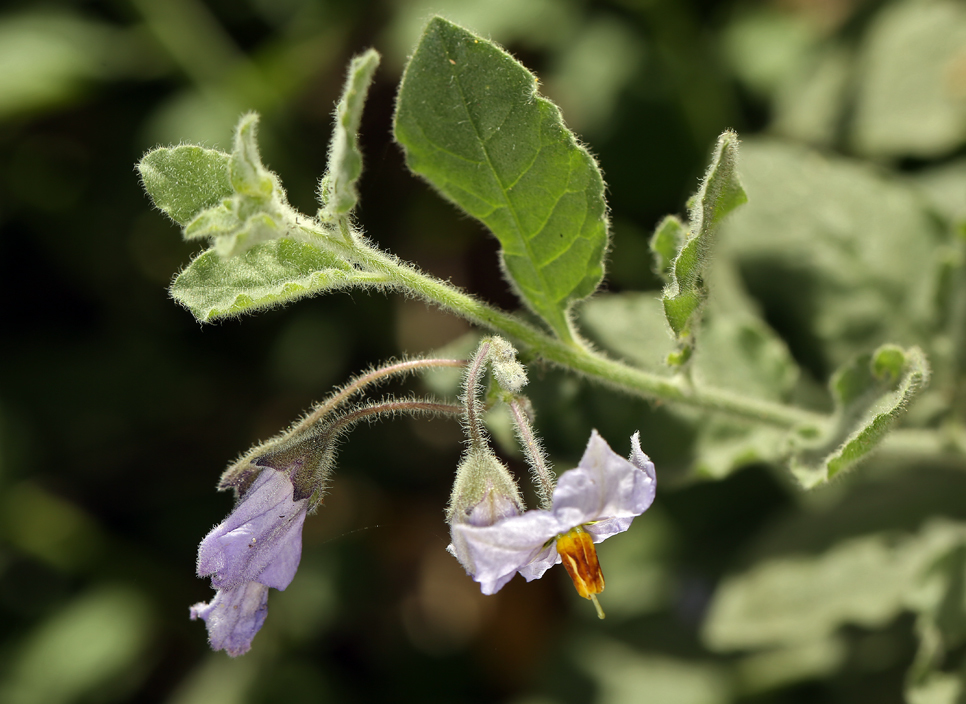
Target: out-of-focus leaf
337, 191
46, 58
471, 122
639, 576
799, 599
940, 601
183, 181
632, 325
765, 47
593, 69
912, 84
944, 186
540, 24
780, 667
870, 394
49, 527
938, 688
839, 255
91, 643
740, 353
625, 676
217, 680
267, 275
809, 104
719, 194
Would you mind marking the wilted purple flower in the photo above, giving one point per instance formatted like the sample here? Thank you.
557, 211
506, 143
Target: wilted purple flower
234, 616
597, 499
258, 546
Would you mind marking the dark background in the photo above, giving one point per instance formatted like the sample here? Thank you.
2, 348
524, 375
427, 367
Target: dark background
118, 411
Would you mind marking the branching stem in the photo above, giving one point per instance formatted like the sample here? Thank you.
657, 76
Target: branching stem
568, 355
362, 381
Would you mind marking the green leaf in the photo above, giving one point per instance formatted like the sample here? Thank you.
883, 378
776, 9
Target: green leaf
910, 89
665, 244
337, 191
739, 352
719, 194
267, 275
183, 181
870, 394
471, 122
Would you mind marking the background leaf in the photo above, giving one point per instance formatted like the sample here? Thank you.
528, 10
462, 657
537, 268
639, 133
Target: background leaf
912, 99
801, 598
839, 257
871, 394
471, 123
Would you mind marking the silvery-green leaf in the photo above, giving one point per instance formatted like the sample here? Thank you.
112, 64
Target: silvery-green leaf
910, 87
183, 181
266, 275
871, 393
839, 253
801, 598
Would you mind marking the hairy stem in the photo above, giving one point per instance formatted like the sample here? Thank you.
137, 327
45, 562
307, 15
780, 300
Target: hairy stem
534, 452
391, 407
471, 392
358, 384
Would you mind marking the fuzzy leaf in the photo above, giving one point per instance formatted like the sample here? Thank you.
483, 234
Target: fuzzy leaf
719, 194
870, 394
183, 181
337, 191
665, 243
267, 275
471, 123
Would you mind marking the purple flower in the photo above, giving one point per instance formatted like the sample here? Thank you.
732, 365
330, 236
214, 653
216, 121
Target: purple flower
599, 498
258, 546
234, 616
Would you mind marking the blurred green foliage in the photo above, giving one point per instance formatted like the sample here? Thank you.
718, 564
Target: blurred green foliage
118, 413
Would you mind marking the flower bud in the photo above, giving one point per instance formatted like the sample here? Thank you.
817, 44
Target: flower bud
484, 493
509, 373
